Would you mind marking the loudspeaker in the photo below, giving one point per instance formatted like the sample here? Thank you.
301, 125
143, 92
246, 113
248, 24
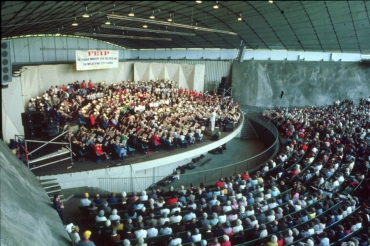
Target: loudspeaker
6, 63
229, 128
33, 132
31, 118
224, 82
216, 136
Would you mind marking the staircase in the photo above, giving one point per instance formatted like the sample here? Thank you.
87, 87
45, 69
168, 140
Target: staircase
248, 131
51, 187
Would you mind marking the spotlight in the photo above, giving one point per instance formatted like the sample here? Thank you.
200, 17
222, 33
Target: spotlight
216, 6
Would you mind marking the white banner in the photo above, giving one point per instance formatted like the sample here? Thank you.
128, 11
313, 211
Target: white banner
96, 59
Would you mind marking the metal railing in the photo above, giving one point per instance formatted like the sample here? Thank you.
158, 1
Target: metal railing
50, 142
210, 176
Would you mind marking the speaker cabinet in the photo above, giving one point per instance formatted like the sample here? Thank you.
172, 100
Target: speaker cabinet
229, 128
6, 63
32, 118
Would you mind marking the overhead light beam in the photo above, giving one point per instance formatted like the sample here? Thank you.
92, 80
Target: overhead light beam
165, 23
120, 36
147, 30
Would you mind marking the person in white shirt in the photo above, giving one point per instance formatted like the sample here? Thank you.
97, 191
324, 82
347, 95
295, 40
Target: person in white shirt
176, 218
222, 217
197, 237
263, 231
141, 233
75, 236
114, 215
100, 216
164, 219
144, 196
238, 227
212, 119
176, 240
165, 209
166, 230
176, 208
227, 207
152, 231
332, 184
271, 216
69, 226
85, 202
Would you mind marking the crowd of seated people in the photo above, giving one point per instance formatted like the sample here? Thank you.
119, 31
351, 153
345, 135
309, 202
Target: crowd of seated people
310, 194
129, 116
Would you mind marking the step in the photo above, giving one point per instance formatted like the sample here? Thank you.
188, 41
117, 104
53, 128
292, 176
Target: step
44, 181
53, 191
48, 186
63, 151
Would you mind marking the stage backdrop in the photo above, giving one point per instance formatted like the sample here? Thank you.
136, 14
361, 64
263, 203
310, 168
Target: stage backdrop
189, 76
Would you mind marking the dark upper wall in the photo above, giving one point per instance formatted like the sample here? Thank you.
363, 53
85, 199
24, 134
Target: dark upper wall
260, 83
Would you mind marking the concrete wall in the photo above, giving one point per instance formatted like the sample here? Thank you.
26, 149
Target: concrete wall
260, 83
27, 216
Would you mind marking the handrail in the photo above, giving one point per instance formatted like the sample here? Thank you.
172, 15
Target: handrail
233, 166
45, 142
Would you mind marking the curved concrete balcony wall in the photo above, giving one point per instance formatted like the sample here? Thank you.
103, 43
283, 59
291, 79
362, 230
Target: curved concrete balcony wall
139, 176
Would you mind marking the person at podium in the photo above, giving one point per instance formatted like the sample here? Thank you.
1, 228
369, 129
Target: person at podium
212, 119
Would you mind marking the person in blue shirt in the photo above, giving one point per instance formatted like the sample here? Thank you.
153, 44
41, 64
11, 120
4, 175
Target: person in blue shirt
98, 200
112, 199
120, 150
208, 193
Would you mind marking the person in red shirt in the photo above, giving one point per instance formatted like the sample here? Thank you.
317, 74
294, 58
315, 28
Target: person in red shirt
90, 84
172, 200
92, 120
99, 151
63, 88
181, 90
83, 84
245, 175
304, 147
156, 140
220, 183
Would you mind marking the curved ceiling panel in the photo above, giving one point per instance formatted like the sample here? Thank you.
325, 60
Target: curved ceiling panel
290, 25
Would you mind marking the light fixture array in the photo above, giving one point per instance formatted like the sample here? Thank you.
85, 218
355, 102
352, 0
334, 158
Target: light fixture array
75, 23
152, 16
131, 14
147, 30
165, 23
86, 15
216, 6
119, 36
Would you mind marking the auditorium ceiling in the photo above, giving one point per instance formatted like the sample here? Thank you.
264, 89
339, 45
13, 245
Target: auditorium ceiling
340, 26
